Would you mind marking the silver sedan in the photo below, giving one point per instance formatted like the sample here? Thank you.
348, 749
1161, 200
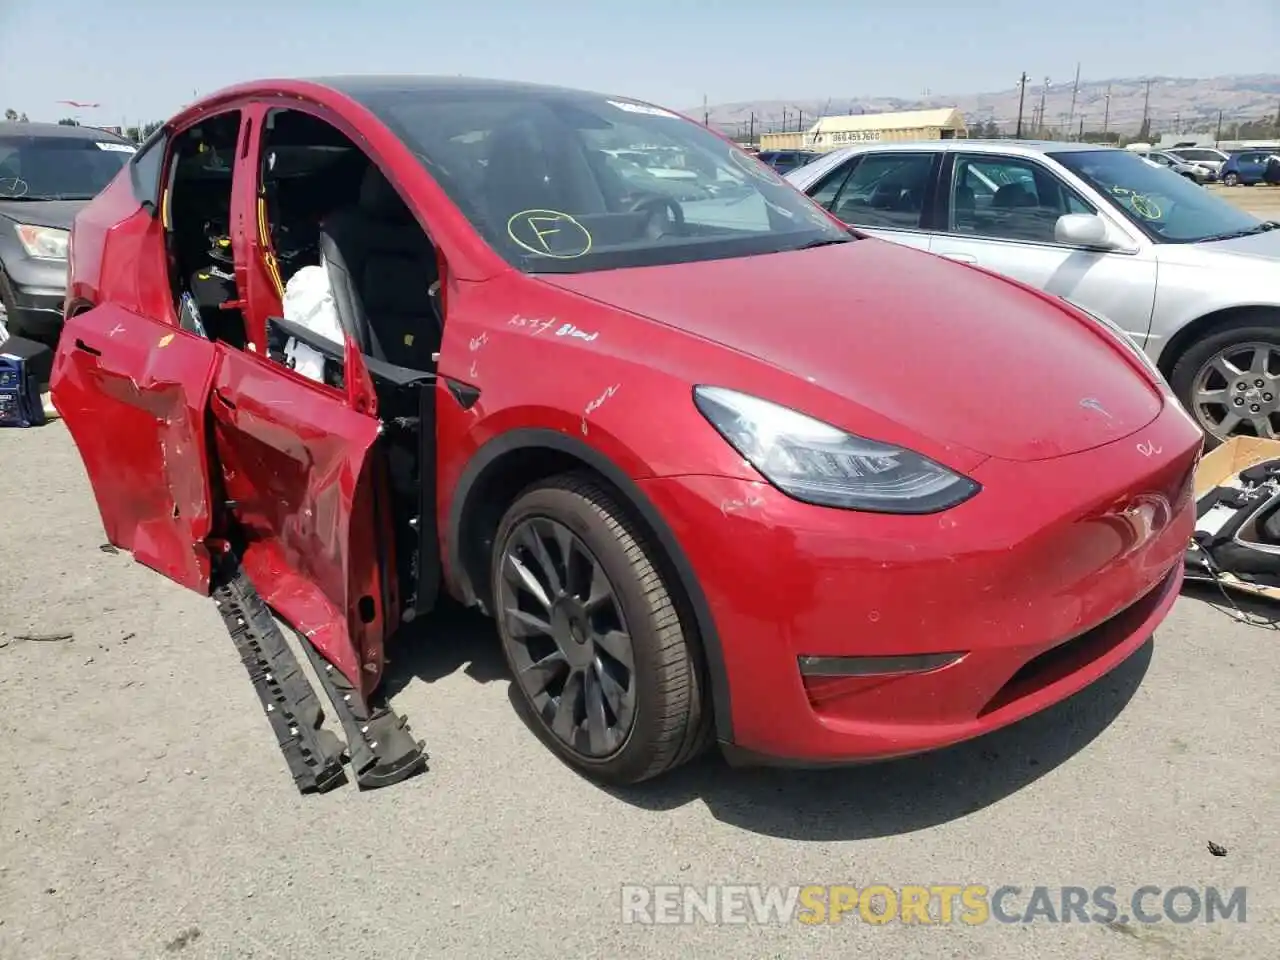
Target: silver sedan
1192, 280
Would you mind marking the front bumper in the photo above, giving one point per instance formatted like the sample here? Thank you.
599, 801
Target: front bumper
1045, 581
34, 295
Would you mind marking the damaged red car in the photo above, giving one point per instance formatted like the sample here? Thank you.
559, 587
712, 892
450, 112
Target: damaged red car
721, 469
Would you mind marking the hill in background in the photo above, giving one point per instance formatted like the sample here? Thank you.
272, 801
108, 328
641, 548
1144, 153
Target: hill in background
1177, 104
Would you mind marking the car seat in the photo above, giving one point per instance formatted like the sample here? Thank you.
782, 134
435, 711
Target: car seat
383, 272
1013, 195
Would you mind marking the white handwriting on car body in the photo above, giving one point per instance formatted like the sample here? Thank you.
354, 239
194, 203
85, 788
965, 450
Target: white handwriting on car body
596, 404
569, 330
532, 324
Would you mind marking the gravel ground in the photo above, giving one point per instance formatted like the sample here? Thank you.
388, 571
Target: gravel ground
148, 813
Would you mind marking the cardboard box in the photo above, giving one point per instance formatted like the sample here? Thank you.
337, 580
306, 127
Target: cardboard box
1222, 467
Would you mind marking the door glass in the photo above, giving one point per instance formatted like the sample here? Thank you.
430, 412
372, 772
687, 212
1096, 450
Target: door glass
1010, 199
1200, 155
886, 190
829, 187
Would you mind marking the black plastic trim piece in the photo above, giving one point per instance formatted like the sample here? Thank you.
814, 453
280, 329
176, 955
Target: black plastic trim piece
427, 588
551, 440
382, 750
874, 666
464, 393
313, 754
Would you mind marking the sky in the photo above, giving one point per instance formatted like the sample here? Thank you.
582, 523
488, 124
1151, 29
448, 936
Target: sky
143, 59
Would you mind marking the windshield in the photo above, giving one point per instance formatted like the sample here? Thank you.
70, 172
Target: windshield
58, 168
561, 182
1168, 207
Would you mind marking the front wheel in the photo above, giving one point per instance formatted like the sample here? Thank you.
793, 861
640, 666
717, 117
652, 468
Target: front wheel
1231, 180
592, 635
1230, 382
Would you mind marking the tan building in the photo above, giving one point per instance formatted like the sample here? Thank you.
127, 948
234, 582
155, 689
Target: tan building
830, 133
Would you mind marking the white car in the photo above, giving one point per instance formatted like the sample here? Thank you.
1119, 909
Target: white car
1191, 279
1210, 157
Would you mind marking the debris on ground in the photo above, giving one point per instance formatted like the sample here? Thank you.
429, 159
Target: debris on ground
45, 637
1217, 849
188, 936
108, 548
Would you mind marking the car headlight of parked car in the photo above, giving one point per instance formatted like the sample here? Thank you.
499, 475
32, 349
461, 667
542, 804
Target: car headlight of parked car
823, 465
45, 243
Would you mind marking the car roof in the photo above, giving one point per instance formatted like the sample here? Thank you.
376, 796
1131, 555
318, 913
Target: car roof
1026, 147
359, 86
21, 128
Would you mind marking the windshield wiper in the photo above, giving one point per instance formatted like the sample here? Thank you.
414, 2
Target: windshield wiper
31, 198
1265, 227
826, 242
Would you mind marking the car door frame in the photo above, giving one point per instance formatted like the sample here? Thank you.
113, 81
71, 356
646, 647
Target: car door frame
133, 387
846, 169
298, 462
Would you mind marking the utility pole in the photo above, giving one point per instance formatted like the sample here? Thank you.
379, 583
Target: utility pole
1106, 115
1075, 89
1081, 137
752, 135
706, 114
1040, 124
1022, 92
1146, 107
1217, 139
784, 119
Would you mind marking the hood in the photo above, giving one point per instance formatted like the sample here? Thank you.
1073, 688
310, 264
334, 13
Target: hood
42, 213
1260, 251
1263, 245
949, 352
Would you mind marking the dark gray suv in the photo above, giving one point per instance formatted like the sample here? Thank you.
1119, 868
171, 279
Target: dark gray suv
47, 173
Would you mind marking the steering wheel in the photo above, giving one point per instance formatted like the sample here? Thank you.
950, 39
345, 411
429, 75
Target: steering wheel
655, 224
13, 187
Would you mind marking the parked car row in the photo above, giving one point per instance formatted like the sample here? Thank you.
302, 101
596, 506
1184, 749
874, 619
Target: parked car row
722, 469
1190, 278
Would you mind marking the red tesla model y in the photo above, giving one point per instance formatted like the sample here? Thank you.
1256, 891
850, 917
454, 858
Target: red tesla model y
721, 469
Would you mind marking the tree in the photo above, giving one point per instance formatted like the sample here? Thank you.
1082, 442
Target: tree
24, 119
11, 115
68, 122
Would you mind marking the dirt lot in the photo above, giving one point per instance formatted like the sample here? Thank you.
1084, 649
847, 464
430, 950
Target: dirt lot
1261, 201
147, 812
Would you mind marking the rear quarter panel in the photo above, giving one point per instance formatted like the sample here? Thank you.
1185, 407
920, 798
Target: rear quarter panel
118, 255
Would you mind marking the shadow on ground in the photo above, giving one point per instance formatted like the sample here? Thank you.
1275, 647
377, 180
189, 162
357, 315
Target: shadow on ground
884, 799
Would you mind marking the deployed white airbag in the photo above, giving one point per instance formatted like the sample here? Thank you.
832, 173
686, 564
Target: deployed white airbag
308, 302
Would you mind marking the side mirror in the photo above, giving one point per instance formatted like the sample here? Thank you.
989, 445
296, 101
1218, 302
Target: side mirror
1083, 230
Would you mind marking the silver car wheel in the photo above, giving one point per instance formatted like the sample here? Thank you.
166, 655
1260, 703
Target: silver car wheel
1237, 391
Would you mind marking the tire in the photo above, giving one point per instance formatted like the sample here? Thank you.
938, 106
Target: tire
1230, 180
669, 723
1188, 367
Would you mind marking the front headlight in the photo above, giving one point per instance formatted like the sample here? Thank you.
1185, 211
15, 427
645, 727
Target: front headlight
46, 243
820, 464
